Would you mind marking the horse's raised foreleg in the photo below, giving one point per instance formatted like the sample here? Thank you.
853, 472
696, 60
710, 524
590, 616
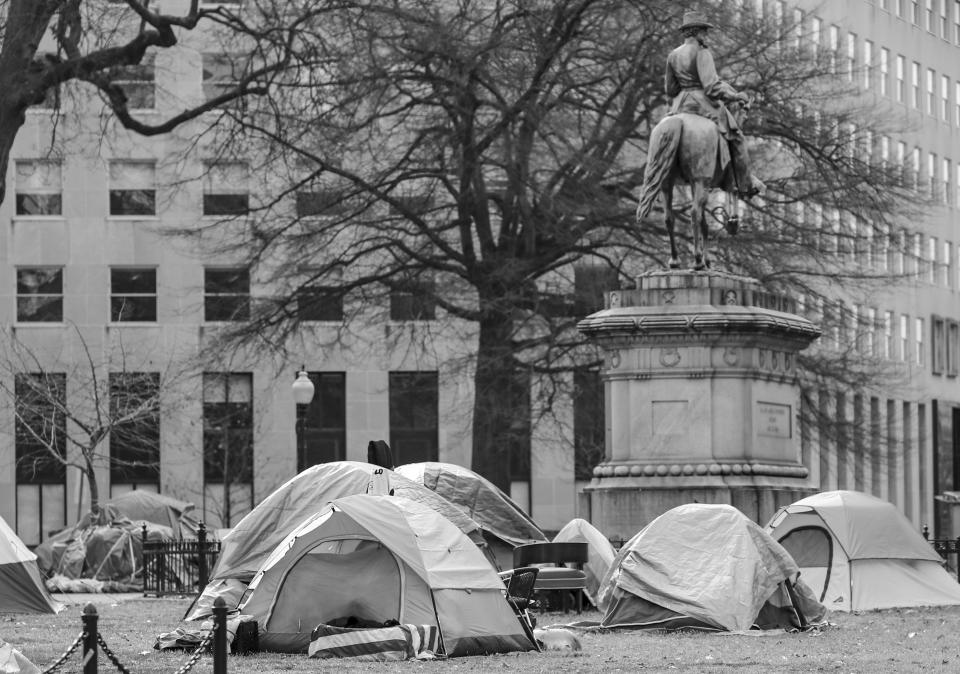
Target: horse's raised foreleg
669, 220
698, 221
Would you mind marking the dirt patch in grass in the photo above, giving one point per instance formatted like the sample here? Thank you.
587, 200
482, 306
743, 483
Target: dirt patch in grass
897, 640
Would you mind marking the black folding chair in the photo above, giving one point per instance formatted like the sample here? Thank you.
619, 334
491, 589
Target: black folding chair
519, 592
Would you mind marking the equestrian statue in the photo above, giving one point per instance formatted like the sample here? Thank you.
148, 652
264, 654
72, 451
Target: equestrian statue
699, 141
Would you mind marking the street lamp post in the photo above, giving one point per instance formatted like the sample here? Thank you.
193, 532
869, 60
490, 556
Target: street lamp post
302, 395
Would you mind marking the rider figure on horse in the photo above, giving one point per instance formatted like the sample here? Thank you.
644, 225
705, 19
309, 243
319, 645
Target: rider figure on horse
691, 81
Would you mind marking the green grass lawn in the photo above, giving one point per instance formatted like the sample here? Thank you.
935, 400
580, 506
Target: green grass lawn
904, 640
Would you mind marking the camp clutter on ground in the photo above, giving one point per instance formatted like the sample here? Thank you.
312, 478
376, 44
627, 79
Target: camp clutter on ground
349, 559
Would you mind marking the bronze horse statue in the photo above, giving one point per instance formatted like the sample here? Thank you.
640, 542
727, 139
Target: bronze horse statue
688, 147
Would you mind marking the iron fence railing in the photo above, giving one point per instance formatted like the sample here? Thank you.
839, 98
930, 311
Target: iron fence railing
178, 567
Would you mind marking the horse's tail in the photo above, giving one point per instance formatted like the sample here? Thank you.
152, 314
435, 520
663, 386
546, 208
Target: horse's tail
664, 142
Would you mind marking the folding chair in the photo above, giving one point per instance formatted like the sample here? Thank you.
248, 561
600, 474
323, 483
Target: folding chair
519, 592
560, 577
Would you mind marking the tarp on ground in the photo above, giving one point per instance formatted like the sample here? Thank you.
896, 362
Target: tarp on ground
859, 552
498, 515
600, 552
375, 559
21, 585
705, 566
249, 543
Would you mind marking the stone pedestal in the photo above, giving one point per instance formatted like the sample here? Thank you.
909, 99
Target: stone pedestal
701, 398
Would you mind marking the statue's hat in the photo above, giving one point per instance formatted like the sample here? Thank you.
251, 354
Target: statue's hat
695, 20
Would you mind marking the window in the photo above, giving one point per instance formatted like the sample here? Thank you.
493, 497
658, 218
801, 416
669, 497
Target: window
918, 341
40, 437
928, 16
40, 295
945, 180
884, 70
816, 32
902, 161
956, 103
319, 304
888, 338
953, 348
225, 189
226, 294
915, 12
899, 7
797, 41
915, 168
324, 421
884, 152
947, 269
133, 295
931, 91
900, 92
137, 82
945, 98
39, 187
135, 441
851, 63
956, 177
228, 439
220, 75
931, 174
320, 202
871, 332
915, 84
901, 253
867, 63
931, 263
944, 27
413, 300
834, 48
956, 21
904, 337
133, 188
414, 399
588, 424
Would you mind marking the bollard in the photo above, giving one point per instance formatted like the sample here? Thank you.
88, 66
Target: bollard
90, 639
219, 636
202, 546
143, 553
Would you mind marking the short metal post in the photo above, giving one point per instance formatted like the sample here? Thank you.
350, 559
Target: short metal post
957, 550
143, 549
202, 545
90, 632
219, 636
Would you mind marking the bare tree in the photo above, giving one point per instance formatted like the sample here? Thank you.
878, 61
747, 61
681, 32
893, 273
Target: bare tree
473, 155
102, 412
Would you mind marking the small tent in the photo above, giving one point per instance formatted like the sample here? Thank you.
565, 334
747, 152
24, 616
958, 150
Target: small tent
859, 552
249, 543
600, 552
505, 525
705, 566
21, 587
380, 558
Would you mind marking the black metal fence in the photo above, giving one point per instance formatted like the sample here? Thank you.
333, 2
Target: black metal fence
948, 548
178, 567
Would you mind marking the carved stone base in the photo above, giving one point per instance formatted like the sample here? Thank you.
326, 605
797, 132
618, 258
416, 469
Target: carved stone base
621, 512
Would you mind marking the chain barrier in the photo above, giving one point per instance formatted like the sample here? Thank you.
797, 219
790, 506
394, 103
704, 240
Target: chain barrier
195, 658
66, 654
110, 656
215, 641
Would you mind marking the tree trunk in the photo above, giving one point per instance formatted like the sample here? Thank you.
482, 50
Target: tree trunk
11, 120
94, 488
501, 408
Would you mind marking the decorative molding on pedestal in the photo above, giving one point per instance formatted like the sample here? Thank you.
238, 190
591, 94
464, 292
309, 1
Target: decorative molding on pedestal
702, 396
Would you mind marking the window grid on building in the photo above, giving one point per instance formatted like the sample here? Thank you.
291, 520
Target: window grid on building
884, 70
226, 189
915, 84
133, 294
900, 73
226, 294
135, 440
39, 186
40, 294
133, 188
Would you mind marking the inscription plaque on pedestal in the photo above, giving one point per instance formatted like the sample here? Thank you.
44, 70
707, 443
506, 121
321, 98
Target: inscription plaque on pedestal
773, 420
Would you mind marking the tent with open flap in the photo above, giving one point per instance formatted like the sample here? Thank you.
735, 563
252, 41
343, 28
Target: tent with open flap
706, 566
859, 552
377, 559
21, 586
600, 552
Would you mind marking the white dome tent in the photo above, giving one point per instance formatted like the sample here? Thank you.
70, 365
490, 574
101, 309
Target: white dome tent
382, 558
858, 552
